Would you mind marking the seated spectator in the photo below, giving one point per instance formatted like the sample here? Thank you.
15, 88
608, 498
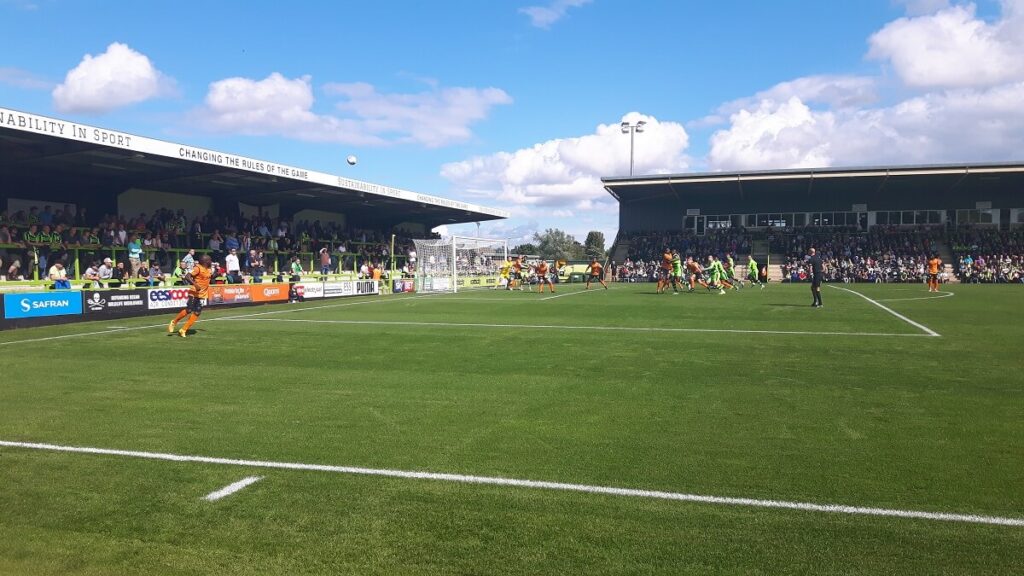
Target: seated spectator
156, 275
59, 276
14, 271
106, 270
179, 272
92, 275
119, 274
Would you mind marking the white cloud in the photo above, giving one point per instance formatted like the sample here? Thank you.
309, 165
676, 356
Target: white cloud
116, 78
23, 79
284, 106
564, 174
435, 118
953, 48
545, 16
948, 126
773, 134
920, 7
968, 79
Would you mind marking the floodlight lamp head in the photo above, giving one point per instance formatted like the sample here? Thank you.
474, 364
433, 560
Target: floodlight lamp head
625, 127
640, 126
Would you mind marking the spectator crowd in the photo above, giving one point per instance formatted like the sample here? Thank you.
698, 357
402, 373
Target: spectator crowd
148, 248
883, 254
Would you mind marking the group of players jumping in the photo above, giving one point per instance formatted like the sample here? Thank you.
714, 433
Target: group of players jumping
717, 275
673, 272
514, 272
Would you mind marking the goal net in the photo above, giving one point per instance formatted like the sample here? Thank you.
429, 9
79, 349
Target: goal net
458, 262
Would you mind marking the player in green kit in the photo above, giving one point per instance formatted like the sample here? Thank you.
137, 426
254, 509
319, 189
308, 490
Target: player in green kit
718, 275
730, 270
752, 274
677, 272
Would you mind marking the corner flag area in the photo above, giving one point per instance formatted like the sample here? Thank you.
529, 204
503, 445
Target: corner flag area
506, 432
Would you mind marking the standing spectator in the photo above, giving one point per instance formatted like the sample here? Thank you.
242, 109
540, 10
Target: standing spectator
234, 269
134, 254
325, 261
46, 218
189, 261
256, 268
215, 245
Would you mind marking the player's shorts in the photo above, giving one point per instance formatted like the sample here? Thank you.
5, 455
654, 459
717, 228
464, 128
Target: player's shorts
517, 276
664, 274
697, 276
195, 305
752, 276
933, 277
816, 281
730, 274
594, 278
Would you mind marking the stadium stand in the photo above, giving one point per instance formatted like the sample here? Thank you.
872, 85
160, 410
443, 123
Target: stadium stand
166, 235
988, 256
870, 224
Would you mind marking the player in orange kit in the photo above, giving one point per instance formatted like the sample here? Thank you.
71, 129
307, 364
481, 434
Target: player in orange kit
199, 278
934, 264
594, 274
665, 271
542, 276
696, 273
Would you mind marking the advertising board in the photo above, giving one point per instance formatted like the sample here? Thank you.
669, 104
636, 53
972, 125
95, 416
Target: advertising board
113, 302
167, 298
42, 304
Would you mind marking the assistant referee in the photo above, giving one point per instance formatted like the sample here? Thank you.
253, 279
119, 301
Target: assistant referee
814, 261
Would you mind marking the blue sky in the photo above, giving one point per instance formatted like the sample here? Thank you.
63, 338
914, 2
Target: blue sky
515, 104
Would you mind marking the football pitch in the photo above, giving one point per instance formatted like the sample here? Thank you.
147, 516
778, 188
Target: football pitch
493, 432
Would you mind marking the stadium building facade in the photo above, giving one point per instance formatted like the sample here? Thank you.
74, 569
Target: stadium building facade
937, 195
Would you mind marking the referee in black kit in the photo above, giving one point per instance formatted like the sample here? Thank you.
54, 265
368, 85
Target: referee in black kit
816, 274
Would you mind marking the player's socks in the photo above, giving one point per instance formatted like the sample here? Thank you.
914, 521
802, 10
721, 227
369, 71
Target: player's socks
191, 320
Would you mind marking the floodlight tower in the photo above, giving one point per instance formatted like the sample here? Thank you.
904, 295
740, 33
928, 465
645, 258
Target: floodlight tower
632, 130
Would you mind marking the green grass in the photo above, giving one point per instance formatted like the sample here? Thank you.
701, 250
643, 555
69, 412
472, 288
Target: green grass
908, 422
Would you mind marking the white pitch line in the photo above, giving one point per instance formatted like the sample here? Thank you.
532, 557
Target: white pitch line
569, 327
581, 291
918, 325
164, 325
539, 484
943, 295
232, 488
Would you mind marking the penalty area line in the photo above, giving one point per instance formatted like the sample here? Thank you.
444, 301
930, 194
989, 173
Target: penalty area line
573, 293
539, 485
570, 327
917, 325
232, 488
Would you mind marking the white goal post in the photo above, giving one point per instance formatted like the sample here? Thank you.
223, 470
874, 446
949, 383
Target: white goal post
443, 264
